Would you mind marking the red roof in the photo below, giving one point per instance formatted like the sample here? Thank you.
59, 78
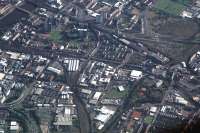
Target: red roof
136, 114
141, 94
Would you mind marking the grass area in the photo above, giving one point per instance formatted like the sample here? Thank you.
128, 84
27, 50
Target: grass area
170, 7
73, 45
55, 36
184, 2
148, 120
44, 115
115, 93
134, 96
125, 24
75, 122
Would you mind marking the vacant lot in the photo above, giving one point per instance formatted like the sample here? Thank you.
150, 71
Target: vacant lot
178, 28
172, 26
170, 7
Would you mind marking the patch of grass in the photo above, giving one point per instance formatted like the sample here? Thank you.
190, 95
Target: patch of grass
134, 96
170, 7
184, 2
55, 36
44, 115
73, 45
148, 120
75, 122
115, 93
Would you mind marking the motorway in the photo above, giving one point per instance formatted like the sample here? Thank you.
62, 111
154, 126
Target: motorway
14, 107
16, 103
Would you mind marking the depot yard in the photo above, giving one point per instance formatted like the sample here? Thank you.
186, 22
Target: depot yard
170, 7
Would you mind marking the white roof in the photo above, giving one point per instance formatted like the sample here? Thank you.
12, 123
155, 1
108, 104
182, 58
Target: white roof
103, 117
55, 70
152, 114
13, 55
3, 99
117, 4
106, 110
97, 95
93, 82
163, 109
198, 16
39, 91
14, 125
121, 88
159, 83
125, 41
153, 109
62, 47
92, 13
135, 73
73, 64
100, 126
181, 100
2, 75
86, 91
186, 14
104, 80
67, 111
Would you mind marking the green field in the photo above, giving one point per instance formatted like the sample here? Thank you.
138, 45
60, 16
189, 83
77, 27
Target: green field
185, 2
148, 120
55, 36
74, 44
115, 93
170, 7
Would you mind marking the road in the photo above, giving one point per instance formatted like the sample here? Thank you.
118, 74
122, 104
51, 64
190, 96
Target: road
145, 25
14, 106
27, 122
172, 83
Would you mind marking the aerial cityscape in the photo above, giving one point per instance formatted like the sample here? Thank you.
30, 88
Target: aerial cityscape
99, 66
